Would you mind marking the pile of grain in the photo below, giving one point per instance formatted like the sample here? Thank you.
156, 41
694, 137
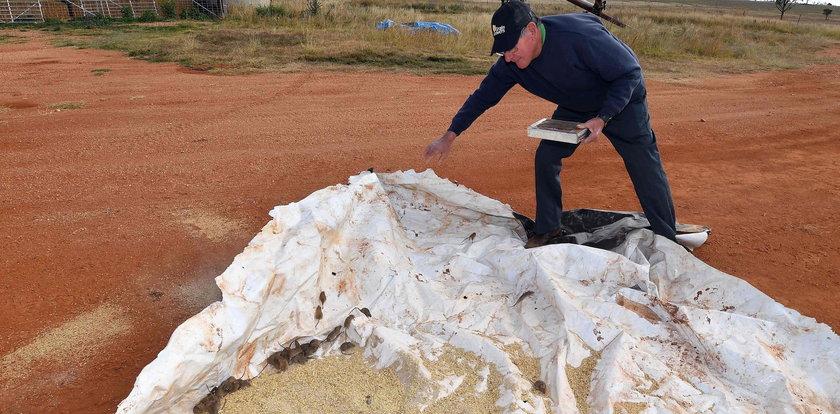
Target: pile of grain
346, 383
580, 379
342, 383
529, 366
479, 389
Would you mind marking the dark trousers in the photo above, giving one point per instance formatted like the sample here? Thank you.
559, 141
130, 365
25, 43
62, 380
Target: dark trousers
632, 137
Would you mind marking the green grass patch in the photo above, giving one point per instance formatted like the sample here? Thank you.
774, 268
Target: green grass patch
88, 25
100, 71
68, 42
67, 105
94, 27
11, 39
395, 59
237, 39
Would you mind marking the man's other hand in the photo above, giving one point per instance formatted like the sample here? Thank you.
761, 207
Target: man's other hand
595, 126
440, 147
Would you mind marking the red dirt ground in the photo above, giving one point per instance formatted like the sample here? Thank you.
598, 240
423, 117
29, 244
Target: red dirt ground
123, 211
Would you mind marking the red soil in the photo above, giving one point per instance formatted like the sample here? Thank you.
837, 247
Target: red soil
142, 196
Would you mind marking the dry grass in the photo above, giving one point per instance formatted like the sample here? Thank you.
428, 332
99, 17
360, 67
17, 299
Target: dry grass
668, 37
67, 105
690, 42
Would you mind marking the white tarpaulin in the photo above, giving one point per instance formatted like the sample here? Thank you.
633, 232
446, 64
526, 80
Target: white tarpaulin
437, 263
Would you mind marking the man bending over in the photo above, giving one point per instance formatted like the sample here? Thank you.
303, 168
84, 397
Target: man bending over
595, 79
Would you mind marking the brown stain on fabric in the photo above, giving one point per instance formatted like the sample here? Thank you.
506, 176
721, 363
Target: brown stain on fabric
211, 333
342, 286
243, 357
777, 351
278, 284
672, 310
638, 309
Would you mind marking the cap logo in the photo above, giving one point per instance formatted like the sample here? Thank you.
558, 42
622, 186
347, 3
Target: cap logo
498, 30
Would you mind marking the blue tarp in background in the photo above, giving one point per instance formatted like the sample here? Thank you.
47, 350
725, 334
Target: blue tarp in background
415, 26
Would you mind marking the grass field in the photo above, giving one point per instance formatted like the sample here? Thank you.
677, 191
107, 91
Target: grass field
671, 38
7, 38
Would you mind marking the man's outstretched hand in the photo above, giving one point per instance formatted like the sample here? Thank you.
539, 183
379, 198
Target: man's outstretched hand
440, 147
595, 126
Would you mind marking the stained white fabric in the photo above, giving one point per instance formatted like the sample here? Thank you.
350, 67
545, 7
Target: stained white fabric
437, 263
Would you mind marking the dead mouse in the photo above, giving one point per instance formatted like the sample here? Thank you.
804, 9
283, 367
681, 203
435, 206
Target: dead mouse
348, 348
232, 385
334, 334
211, 403
279, 360
311, 347
540, 386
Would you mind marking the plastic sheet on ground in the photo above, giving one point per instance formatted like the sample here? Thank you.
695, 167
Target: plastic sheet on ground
606, 229
437, 263
443, 28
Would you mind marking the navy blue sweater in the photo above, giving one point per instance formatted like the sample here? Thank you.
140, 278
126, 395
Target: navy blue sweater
582, 68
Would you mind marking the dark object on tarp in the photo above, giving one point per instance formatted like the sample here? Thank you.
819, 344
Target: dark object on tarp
603, 229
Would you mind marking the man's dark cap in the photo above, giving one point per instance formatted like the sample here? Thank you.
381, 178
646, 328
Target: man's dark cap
507, 24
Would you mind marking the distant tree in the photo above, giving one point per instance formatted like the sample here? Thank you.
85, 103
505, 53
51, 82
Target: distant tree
783, 6
826, 12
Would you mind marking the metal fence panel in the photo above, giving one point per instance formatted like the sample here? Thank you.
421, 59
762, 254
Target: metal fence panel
37, 11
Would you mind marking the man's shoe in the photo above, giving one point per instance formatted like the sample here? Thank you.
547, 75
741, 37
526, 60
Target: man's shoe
540, 240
